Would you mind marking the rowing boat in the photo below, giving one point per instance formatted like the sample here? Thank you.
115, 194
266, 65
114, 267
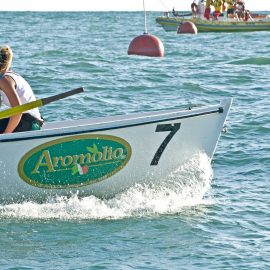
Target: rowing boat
106, 155
172, 24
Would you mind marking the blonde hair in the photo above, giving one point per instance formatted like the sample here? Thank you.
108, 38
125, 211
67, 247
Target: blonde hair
5, 58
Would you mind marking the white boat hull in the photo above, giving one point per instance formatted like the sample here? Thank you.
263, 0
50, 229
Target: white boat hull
105, 156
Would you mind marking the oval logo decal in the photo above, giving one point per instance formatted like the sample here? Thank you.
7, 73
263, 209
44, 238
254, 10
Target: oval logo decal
74, 161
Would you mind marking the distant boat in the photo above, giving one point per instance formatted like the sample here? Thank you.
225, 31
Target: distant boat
104, 156
222, 25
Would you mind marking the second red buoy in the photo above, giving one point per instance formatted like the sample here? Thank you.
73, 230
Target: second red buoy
187, 28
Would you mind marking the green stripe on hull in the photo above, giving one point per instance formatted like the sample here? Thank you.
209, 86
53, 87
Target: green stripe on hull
207, 28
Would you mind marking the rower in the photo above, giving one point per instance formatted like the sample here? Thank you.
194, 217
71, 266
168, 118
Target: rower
16, 91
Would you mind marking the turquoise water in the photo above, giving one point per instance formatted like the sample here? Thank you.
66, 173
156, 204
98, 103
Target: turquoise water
218, 218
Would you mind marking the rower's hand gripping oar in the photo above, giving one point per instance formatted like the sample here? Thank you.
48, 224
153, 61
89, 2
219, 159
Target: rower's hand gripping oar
37, 103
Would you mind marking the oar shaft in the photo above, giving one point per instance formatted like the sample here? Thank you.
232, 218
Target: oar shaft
37, 103
62, 95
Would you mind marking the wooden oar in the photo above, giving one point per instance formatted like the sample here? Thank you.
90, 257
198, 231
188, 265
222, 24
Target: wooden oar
37, 103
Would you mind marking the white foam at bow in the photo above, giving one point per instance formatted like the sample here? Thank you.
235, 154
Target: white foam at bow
183, 188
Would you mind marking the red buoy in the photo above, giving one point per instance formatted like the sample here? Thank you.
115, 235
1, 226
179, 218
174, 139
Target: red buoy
187, 28
146, 45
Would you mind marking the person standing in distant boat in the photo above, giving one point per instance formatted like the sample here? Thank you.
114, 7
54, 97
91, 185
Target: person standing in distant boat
16, 91
174, 13
207, 12
230, 7
218, 4
194, 8
239, 9
201, 8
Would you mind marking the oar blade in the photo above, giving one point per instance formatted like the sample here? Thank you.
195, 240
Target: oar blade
19, 109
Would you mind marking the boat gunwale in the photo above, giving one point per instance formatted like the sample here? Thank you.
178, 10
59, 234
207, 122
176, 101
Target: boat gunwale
160, 116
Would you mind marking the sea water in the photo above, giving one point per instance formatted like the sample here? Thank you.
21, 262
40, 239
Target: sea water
209, 215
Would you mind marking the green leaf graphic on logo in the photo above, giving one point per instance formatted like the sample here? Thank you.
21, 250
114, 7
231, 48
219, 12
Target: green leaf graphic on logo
93, 149
74, 169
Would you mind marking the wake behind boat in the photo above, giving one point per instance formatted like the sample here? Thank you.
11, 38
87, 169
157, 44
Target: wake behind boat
104, 156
